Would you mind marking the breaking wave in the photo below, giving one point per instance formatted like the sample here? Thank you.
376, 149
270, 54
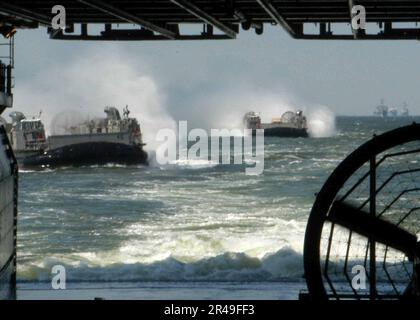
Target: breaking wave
283, 264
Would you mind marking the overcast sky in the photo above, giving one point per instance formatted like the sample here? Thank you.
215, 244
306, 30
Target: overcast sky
195, 78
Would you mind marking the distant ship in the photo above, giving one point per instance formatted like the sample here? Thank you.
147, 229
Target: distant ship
290, 124
382, 110
405, 112
113, 139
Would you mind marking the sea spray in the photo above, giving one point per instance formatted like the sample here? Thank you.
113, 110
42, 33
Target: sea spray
227, 108
321, 122
91, 81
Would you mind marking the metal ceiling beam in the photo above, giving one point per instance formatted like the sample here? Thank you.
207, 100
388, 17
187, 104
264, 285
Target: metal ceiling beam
161, 17
24, 14
268, 6
128, 17
410, 34
129, 35
206, 17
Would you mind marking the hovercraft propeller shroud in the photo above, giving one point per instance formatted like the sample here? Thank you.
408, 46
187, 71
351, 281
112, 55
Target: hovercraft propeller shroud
367, 218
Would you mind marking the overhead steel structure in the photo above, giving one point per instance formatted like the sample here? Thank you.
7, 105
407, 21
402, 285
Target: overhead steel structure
221, 19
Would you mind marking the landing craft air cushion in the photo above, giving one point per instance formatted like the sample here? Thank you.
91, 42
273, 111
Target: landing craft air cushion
99, 141
290, 125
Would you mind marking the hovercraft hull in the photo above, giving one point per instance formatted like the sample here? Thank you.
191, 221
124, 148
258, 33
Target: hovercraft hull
85, 154
285, 132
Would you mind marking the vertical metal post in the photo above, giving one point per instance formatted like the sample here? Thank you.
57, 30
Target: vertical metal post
9, 80
2, 77
372, 250
12, 51
15, 171
416, 277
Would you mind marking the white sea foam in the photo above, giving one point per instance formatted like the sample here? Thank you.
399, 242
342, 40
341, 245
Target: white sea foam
194, 164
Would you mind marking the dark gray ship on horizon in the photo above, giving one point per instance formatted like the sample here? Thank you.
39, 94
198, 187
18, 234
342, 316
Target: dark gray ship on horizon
110, 140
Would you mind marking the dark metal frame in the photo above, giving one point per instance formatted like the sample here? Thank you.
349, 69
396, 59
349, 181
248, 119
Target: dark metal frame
161, 19
14, 175
28, 15
202, 15
277, 16
368, 224
128, 17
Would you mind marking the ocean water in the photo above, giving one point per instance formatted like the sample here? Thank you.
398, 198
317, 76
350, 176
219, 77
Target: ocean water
183, 224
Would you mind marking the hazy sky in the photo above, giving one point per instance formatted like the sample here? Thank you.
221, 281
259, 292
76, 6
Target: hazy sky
197, 78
